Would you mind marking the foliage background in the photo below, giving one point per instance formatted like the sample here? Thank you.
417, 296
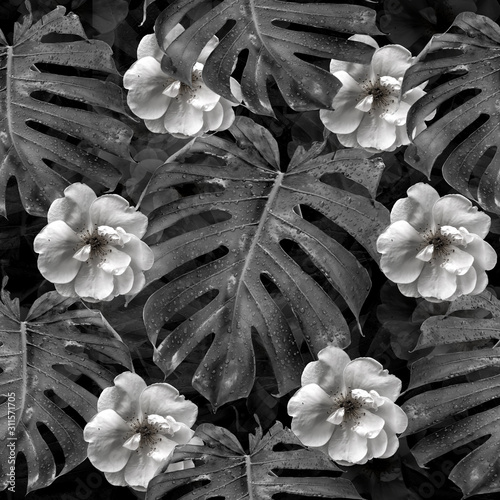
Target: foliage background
390, 323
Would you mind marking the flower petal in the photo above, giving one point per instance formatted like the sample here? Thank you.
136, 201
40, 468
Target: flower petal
347, 446
182, 118
409, 289
467, 282
484, 255
163, 399
94, 283
228, 115
378, 445
457, 261
369, 425
457, 211
140, 469
310, 406
328, 371
208, 49
396, 420
114, 211
399, 245
116, 478
368, 374
73, 208
56, 244
106, 433
163, 449
146, 82
124, 282
391, 60
375, 132
115, 262
212, 119
417, 208
123, 397
435, 282
204, 98
148, 47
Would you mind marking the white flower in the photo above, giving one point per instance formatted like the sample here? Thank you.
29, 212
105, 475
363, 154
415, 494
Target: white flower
134, 435
434, 247
91, 247
169, 106
346, 408
369, 110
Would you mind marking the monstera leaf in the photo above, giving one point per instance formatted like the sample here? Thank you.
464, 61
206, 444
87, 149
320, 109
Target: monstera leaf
258, 215
46, 114
278, 40
467, 136
471, 352
275, 464
42, 358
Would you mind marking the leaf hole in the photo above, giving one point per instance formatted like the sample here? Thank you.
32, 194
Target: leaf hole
3, 399
304, 473
240, 65
54, 37
52, 132
464, 135
43, 96
61, 69
182, 491
287, 447
189, 310
53, 445
214, 185
304, 261
199, 261
480, 169
457, 100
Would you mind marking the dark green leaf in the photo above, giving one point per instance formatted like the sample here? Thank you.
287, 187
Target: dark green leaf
262, 210
40, 115
470, 347
275, 464
42, 357
277, 35
467, 136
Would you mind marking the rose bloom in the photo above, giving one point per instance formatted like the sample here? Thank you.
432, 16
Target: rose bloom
434, 246
346, 408
169, 106
134, 435
91, 247
370, 111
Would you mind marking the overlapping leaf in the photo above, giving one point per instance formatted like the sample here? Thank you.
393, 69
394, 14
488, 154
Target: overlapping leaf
274, 465
279, 40
467, 136
41, 358
260, 205
471, 347
42, 118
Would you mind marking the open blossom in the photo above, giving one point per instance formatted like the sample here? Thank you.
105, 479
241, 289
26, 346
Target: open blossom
91, 247
170, 106
134, 435
346, 408
434, 247
369, 110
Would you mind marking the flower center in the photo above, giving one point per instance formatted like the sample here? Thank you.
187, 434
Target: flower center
96, 241
382, 94
439, 241
350, 405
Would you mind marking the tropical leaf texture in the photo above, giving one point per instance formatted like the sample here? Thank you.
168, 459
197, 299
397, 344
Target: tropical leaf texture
464, 347
261, 208
42, 357
224, 471
278, 37
466, 136
42, 118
